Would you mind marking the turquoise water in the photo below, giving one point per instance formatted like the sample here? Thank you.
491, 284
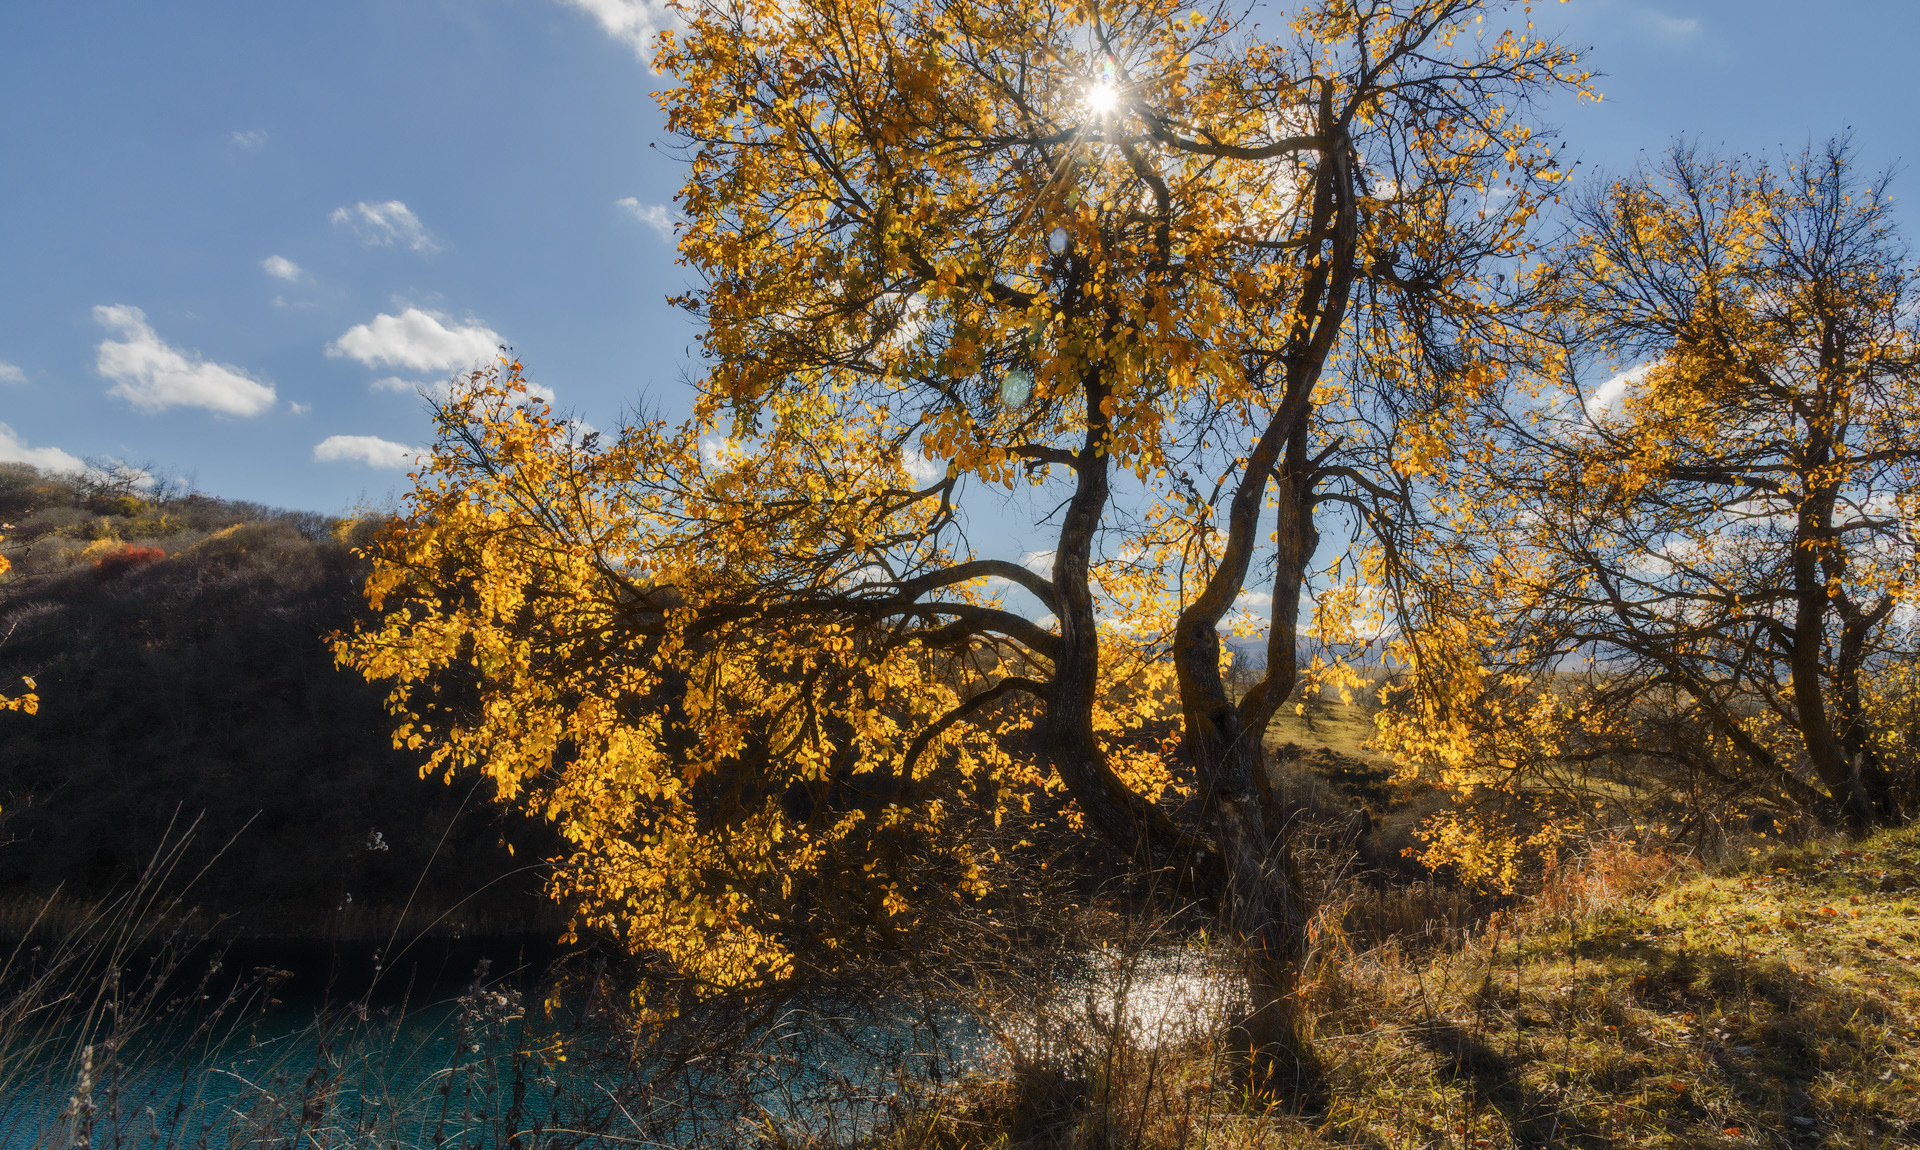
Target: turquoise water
471, 1067
424, 1056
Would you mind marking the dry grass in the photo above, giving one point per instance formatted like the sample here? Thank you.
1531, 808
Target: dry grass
1635, 1002
59, 916
1344, 728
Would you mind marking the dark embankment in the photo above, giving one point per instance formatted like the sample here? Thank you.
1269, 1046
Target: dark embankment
179, 646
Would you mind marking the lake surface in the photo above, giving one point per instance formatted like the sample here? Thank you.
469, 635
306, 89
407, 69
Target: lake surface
354, 1047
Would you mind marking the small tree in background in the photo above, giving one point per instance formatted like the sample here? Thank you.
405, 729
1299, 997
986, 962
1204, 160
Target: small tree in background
1688, 581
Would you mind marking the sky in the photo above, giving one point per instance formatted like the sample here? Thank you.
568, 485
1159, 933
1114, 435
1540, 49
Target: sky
236, 238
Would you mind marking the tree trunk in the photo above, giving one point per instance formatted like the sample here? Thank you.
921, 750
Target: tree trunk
1811, 602
1132, 825
1265, 904
1869, 775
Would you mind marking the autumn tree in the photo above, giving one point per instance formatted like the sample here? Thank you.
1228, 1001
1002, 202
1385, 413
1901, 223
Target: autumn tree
27, 701
1691, 542
1187, 282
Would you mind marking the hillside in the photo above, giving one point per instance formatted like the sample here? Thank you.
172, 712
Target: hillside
179, 647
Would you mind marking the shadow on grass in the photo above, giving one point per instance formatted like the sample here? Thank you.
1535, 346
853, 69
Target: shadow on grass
1489, 1077
1754, 1031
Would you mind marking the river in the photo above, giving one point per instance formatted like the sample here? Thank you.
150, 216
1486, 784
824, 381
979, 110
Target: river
342, 1047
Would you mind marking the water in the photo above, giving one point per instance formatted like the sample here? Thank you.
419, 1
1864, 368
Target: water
418, 1053
211, 1048
421, 1053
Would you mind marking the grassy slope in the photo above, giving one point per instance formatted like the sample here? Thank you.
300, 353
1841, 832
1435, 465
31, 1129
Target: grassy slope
1636, 1003
1342, 727
1769, 1006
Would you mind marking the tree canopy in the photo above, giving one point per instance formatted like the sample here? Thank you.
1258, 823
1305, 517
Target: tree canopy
1682, 562
1179, 278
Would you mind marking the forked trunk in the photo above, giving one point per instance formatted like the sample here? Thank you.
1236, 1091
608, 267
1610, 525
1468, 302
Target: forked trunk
1265, 906
1854, 780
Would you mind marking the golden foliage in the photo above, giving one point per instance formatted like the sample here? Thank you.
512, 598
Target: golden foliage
1119, 261
1695, 578
28, 702
620, 636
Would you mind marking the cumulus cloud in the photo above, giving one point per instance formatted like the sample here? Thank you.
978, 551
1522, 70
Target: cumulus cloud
13, 449
281, 268
1606, 398
385, 224
659, 217
542, 392
925, 471
153, 376
299, 408
631, 22
417, 340
11, 374
370, 450
248, 140
719, 452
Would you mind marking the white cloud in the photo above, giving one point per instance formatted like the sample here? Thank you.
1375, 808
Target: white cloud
119, 471
1606, 398
11, 374
1251, 615
371, 450
440, 392
659, 217
923, 470
13, 449
900, 317
248, 140
1673, 29
281, 268
417, 341
543, 393
1039, 562
719, 452
386, 224
631, 22
153, 376
299, 408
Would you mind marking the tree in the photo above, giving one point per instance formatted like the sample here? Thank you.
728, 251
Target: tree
1142, 260
28, 702
1695, 579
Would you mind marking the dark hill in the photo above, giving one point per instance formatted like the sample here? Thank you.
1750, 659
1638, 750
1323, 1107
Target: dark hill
179, 647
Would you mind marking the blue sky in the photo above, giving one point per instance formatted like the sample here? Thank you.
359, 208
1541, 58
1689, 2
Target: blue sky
231, 233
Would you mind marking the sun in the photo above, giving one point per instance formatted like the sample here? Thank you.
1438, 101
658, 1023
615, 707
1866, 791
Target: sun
1103, 98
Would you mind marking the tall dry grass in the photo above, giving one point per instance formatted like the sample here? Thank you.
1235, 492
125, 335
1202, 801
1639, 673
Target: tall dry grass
122, 1025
